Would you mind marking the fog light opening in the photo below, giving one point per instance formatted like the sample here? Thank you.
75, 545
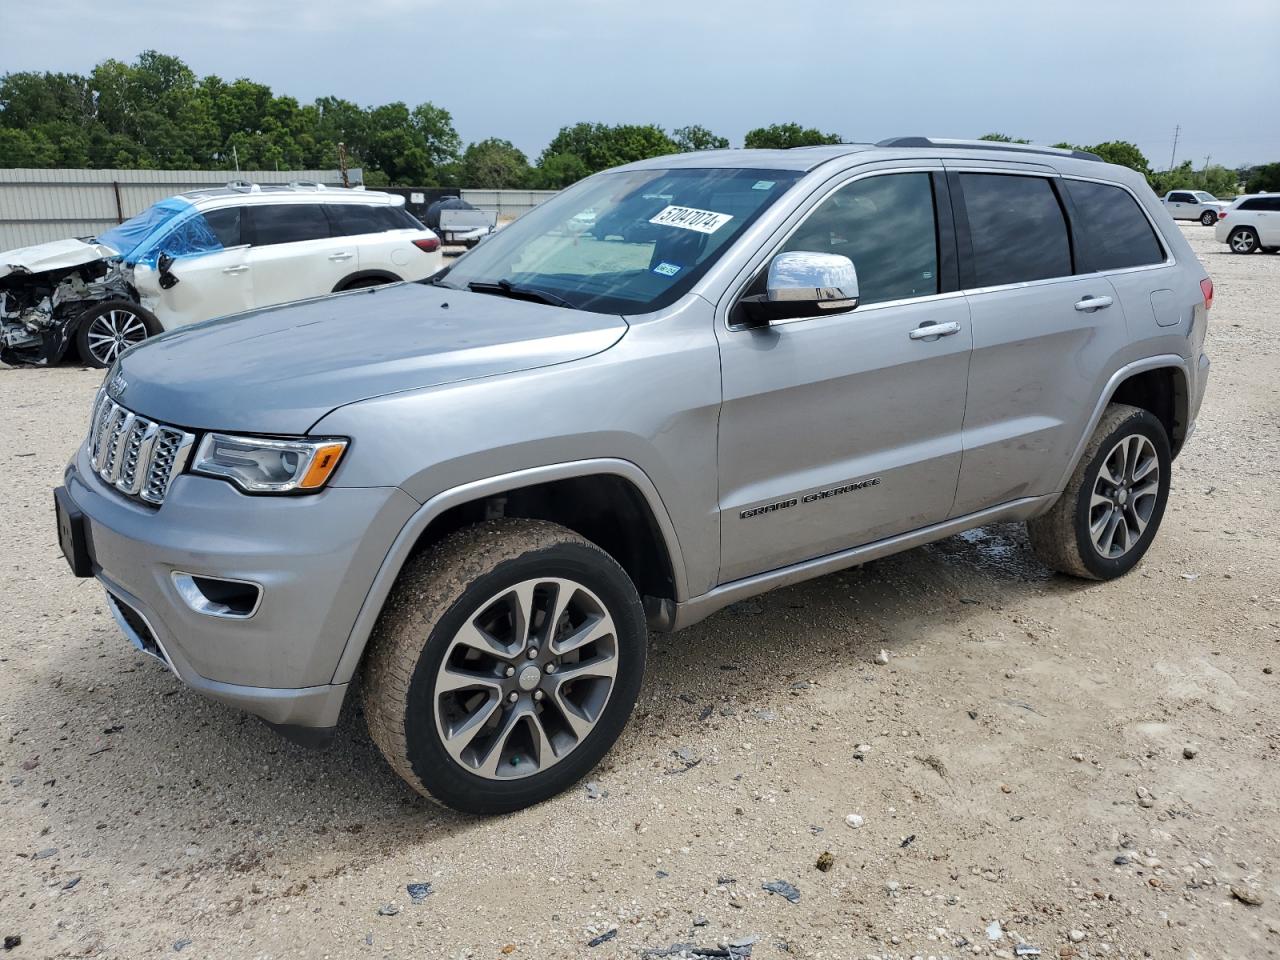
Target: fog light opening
218, 596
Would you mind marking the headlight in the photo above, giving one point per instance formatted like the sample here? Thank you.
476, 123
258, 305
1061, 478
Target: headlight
262, 465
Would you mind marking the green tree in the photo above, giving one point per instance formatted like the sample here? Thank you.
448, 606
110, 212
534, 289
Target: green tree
557, 170
493, 164
1122, 152
695, 137
1002, 138
782, 136
1263, 179
600, 146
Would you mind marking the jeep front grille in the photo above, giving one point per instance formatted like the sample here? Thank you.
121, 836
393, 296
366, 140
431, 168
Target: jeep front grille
137, 456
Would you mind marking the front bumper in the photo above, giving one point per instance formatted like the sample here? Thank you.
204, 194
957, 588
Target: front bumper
314, 558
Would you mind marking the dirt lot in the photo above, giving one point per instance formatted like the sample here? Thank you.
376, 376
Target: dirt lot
1019, 761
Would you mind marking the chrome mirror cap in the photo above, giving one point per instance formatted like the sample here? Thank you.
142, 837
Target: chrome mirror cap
826, 280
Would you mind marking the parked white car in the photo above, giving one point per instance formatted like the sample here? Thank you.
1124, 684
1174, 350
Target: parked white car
1251, 223
1194, 205
205, 254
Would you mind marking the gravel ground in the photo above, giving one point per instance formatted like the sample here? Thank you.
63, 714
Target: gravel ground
1090, 769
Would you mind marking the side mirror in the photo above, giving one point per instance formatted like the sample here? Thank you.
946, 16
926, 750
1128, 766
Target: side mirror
164, 263
804, 284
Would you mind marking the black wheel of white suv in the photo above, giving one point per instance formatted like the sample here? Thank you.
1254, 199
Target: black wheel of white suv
504, 665
1111, 508
109, 328
1208, 218
1243, 240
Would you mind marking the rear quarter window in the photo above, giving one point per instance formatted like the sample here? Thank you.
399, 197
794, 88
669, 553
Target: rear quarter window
1117, 234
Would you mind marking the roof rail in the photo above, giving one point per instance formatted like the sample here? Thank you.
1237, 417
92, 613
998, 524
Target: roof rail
243, 186
987, 145
306, 185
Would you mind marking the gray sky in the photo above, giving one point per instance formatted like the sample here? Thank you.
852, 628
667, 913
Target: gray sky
1084, 72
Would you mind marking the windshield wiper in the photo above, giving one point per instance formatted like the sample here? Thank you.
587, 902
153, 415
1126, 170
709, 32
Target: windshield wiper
505, 288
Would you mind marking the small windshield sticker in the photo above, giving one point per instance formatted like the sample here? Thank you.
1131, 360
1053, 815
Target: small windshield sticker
667, 269
690, 218
763, 185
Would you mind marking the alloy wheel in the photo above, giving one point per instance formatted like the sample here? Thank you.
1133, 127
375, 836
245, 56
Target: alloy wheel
1243, 242
1124, 496
526, 679
113, 332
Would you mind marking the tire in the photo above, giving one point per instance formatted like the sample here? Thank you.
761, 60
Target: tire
107, 329
1243, 240
432, 621
1208, 218
1064, 538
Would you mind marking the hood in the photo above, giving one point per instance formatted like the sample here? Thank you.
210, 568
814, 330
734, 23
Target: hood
55, 255
281, 369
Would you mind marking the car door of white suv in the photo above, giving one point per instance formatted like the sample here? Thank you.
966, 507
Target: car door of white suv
293, 253
209, 276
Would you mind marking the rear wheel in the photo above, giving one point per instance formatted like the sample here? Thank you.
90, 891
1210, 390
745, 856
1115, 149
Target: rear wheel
1208, 218
504, 666
1243, 240
107, 329
1111, 509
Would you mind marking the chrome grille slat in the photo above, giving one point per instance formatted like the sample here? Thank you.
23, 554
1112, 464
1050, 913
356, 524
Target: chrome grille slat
137, 456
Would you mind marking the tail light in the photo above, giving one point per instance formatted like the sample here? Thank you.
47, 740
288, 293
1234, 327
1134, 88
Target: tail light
428, 245
1222, 215
1206, 287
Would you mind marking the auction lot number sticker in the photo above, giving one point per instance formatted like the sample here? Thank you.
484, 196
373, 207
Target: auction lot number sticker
691, 218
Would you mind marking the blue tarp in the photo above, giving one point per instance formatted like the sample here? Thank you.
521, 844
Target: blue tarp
172, 226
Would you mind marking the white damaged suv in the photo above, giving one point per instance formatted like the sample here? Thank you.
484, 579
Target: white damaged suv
209, 253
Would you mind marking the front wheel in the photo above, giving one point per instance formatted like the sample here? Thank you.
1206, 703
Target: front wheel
504, 665
1208, 218
1243, 240
1111, 509
107, 329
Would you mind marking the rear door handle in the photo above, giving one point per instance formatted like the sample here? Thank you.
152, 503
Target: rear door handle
1090, 304
240, 269
932, 331
340, 256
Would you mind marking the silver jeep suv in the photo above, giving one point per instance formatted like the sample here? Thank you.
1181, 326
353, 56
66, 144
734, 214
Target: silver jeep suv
742, 369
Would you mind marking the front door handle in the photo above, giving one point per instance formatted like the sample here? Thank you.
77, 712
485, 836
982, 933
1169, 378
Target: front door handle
339, 256
240, 269
929, 330
1090, 304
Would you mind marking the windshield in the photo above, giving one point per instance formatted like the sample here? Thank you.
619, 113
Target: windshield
130, 235
623, 242
1205, 197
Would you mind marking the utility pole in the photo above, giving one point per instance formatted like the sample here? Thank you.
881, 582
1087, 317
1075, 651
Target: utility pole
1176, 130
1207, 158
342, 164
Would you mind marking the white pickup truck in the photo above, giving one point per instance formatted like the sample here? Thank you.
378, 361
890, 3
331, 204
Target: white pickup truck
1194, 205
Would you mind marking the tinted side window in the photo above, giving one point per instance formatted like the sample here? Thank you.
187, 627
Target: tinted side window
1117, 234
1261, 203
225, 224
288, 223
1017, 228
1183, 198
886, 226
351, 219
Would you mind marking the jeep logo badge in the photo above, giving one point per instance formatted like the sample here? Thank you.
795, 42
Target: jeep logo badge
116, 387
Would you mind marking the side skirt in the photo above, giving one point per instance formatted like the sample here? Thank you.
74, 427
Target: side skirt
677, 616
